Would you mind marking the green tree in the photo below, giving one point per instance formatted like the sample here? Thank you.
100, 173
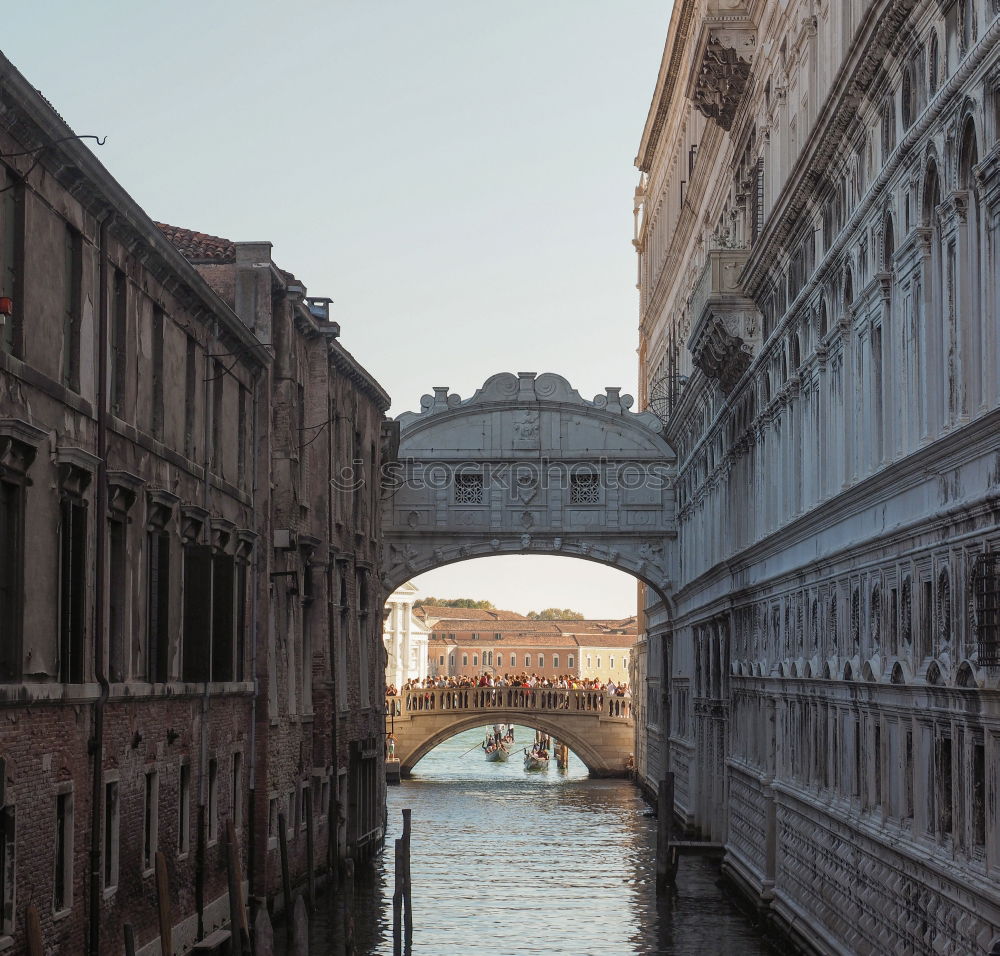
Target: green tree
471, 603
555, 614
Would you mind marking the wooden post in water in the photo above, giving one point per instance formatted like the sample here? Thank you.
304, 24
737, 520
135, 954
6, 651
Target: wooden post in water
239, 929
286, 878
34, 931
129, 939
407, 884
665, 870
310, 862
163, 904
397, 902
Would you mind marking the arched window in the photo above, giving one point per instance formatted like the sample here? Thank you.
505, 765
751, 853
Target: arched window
907, 103
967, 25
823, 320
855, 620
944, 611
848, 290
932, 64
973, 333
888, 244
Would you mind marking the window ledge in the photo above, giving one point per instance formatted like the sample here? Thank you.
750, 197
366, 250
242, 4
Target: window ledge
184, 855
61, 914
146, 874
6, 942
110, 891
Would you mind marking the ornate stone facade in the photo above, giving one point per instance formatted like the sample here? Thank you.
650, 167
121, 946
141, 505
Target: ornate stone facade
833, 712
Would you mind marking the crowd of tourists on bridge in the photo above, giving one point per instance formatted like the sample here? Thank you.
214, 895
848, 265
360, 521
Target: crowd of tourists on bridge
563, 682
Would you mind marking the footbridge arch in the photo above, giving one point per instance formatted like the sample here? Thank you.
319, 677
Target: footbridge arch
528, 466
597, 727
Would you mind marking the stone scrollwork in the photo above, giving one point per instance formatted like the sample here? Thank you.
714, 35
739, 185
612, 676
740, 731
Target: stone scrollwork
721, 65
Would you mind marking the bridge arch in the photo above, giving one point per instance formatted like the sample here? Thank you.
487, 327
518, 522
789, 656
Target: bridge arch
596, 763
528, 466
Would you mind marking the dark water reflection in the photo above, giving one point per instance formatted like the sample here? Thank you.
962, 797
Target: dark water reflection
506, 862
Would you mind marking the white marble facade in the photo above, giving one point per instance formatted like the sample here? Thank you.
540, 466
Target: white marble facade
818, 230
405, 637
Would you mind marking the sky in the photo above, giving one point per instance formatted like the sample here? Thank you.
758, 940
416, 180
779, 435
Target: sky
457, 175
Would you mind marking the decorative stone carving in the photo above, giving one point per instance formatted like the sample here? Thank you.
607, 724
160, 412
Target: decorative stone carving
160, 506
76, 469
246, 540
727, 323
123, 489
19, 443
193, 519
721, 63
222, 532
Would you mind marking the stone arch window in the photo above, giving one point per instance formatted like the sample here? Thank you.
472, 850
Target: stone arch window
985, 587
888, 128
905, 615
848, 289
855, 620
967, 27
907, 98
823, 319
932, 64
794, 351
888, 243
835, 637
875, 617
944, 610
814, 625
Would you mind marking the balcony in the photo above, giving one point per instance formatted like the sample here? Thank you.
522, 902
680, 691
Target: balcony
721, 64
726, 325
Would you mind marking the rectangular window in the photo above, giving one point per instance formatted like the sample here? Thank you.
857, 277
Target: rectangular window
111, 823
908, 777
585, 489
465, 660
978, 795
527, 660
942, 761
469, 490
190, 397
218, 392
555, 660
223, 633
11, 256
11, 569
62, 883
8, 869
513, 660
612, 663
877, 757
158, 606
541, 660
117, 591
150, 821
240, 650
272, 822
213, 800
475, 660
72, 297
242, 438
237, 790
588, 660
196, 663
72, 589
986, 595
184, 810
598, 663
119, 347
570, 662
441, 660
157, 371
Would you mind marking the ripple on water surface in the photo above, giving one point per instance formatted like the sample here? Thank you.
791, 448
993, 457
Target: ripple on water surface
549, 863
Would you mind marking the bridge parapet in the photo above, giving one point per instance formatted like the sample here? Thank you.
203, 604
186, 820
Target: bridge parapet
527, 699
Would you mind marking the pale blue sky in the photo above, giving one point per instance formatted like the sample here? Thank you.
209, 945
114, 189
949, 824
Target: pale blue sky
457, 176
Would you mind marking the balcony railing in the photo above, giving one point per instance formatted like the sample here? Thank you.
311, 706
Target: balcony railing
529, 699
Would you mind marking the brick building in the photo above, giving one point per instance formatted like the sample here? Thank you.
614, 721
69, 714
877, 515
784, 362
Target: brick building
320, 669
466, 642
169, 532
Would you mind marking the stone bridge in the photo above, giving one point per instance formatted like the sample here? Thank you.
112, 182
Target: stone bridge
597, 727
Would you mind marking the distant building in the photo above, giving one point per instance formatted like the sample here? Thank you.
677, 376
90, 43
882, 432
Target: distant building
504, 642
405, 637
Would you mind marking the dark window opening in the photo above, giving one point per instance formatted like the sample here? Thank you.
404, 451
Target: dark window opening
63, 842
158, 607
11, 257
72, 299
184, 810
116, 599
218, 392
197, 649
149, 822
110, 834
978, 795
942, 761
241, 620
223, 618
190, 396
157, 411
72, 589
11, 564
908, 777
7, 869
986, 597
119, 348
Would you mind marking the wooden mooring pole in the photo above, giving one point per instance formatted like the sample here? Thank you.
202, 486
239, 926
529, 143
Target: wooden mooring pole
286, 879
666, 858
407, 885
397, 902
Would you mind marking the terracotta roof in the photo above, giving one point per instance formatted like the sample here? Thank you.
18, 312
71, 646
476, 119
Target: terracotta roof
465, 614
199, 246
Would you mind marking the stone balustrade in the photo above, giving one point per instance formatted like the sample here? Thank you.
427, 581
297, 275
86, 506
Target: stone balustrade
528, 699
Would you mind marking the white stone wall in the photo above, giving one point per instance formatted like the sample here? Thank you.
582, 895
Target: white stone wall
819, 292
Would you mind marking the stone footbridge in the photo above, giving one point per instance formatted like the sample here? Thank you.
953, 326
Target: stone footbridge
596, 726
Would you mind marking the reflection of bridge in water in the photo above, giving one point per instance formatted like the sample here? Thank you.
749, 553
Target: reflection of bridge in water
596, 726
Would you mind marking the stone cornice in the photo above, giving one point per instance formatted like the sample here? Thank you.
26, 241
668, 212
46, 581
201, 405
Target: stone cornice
345, 363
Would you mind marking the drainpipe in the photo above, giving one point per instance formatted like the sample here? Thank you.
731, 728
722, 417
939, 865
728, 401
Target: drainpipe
255, 580
97, 740
199, 873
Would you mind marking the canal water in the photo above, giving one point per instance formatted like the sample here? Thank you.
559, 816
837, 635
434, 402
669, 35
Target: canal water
547, 863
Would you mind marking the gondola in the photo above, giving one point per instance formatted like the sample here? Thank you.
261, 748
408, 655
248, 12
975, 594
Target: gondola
535, 761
